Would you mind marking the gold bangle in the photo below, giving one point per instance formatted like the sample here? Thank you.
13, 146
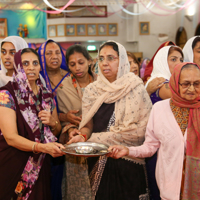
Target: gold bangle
82, 137
33, 148
53, 129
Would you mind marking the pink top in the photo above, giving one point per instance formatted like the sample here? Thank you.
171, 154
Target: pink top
163, 134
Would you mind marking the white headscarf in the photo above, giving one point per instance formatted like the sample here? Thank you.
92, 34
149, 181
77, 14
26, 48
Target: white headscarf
19, 43
188, 51
160, 65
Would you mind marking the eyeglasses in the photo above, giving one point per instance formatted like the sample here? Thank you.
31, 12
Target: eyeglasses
188, 84
108, 59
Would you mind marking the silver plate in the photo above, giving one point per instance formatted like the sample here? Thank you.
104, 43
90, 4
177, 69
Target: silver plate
86, 149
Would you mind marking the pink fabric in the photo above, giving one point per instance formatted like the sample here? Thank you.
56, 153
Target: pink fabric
163, 134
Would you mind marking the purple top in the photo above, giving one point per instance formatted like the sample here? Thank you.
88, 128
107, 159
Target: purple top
155, 96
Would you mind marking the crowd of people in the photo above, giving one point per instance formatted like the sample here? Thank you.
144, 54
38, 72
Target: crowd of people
147, 114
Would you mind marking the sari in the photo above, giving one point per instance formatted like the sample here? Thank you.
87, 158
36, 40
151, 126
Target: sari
129, 120
24, 174
149, 67
57, 163
192, 178
19, 43
41, 52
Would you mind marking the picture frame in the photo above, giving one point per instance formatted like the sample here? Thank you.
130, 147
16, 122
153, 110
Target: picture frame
91, 29
144, 28
60, 30
51, 30
70, 30
81, 29
113, 29
3, 28
102, 30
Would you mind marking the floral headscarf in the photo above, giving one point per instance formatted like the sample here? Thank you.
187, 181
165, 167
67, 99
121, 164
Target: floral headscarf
192, 170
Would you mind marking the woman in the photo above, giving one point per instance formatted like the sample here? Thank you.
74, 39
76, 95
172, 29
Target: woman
149, 67
9, 46
191, 50
28, 118
70, 104
134, 64
163, 65
174, 126
110, 116
54, 71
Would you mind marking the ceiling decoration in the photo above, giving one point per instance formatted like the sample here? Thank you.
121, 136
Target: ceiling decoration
162, 7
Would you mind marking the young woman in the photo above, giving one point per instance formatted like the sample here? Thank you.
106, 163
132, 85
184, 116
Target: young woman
191, 50
163, 65
28, 120
9, 46
70, 104
115, 113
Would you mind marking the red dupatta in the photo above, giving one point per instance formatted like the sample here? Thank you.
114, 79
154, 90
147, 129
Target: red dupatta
149, 67
192, 167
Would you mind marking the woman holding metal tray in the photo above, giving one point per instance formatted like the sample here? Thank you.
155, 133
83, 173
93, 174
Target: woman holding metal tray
115, 110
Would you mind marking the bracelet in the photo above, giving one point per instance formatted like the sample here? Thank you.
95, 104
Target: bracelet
84, 136
53, 129
33, 148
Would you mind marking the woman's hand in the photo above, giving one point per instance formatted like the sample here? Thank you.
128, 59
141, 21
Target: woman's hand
52, 148
77, 138
72, 118
72, 132
47, 118
155, 84
118, 151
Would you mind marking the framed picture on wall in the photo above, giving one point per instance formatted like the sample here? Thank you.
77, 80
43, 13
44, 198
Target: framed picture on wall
102, 29
144, 28
112, 29
70, 29
3, 28
80, 29
60, 30
92, 29
52, 31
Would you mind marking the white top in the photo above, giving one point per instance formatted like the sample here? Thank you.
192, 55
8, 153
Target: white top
164, 134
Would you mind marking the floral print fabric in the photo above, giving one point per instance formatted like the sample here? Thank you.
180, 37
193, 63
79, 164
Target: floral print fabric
6, 99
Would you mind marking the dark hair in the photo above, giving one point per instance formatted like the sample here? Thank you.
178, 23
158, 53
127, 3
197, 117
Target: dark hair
135, 59
30, 50
189, 66
197, 39
175, 48
51, 41
79, 49
112, 44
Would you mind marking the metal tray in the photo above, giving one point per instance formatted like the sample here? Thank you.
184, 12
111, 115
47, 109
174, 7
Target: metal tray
94, 149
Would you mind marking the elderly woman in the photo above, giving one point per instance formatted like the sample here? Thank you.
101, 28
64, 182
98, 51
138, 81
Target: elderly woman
191, 50
174, 128
27, 123
9, 46
115, 111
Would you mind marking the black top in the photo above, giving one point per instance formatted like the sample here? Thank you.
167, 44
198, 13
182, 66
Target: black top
102, 117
